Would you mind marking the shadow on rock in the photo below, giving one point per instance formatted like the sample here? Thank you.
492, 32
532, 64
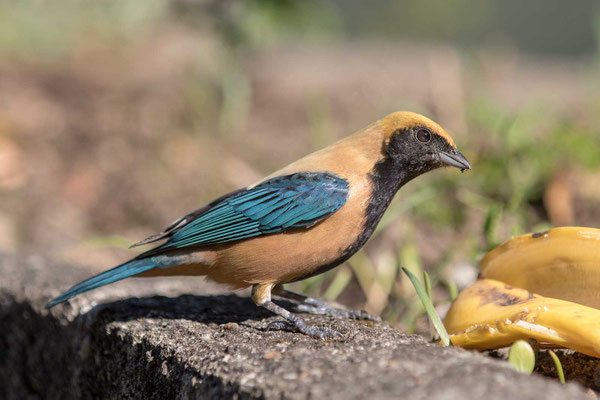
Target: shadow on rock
219, 309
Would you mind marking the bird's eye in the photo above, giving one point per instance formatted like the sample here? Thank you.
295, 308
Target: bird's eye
423, 135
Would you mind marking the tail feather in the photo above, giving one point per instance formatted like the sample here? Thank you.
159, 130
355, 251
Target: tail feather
125, 270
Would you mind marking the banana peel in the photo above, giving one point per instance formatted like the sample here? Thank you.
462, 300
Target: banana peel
542, 286
491, 314
562, 263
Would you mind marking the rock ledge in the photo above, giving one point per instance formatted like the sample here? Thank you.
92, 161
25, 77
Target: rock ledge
214, 346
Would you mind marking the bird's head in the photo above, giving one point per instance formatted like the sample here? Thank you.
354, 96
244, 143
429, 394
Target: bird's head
417, 144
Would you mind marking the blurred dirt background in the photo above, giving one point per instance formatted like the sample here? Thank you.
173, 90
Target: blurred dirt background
117, 117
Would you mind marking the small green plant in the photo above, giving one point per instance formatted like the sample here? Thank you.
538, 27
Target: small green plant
559, 368
426, 300
522, 357
452, 290
427, 282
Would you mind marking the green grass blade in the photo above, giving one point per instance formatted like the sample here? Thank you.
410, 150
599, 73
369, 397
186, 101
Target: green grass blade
426, 300
559, 368
452, 290
338, 284
427, 282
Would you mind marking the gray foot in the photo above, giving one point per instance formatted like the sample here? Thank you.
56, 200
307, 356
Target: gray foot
317, 332
312, 305
336, 312
296, 324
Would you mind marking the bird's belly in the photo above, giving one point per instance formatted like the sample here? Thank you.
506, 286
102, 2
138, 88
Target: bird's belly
289, 256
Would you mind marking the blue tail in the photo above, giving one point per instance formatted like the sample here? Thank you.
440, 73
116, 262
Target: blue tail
125, 270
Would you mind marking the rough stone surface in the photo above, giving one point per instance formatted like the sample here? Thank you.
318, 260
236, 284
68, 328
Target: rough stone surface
215, 346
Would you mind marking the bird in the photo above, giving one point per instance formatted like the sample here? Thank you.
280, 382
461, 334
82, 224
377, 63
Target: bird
298, 222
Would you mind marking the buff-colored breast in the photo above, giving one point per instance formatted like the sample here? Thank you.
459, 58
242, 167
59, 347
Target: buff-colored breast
285, 257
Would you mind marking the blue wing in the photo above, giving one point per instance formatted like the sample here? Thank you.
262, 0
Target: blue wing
278, 204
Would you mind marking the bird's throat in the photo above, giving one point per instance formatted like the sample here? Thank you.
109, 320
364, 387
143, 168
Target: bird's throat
387, 177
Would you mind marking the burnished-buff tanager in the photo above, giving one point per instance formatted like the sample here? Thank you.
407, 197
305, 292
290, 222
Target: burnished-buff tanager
300, 221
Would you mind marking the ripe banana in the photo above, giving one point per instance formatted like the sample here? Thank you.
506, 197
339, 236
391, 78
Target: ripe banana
562, 263
491, 314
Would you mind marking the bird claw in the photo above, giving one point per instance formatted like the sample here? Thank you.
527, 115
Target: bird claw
316, 332
320, 308
320, 332
365, 316
281, 326
312, 305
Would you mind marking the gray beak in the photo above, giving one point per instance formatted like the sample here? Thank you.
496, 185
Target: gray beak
455, 159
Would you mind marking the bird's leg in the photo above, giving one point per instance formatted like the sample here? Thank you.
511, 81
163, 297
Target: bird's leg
312, 305
261, 294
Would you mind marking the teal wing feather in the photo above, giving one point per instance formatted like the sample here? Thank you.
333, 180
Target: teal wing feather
278, 204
